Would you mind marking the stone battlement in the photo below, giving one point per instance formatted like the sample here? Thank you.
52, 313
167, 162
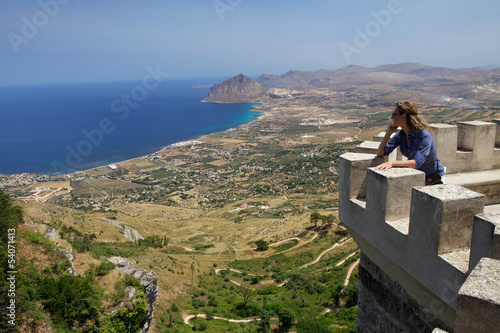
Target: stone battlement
430, 239
470, 151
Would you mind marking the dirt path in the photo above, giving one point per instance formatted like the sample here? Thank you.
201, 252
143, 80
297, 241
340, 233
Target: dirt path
345, 259
237, 271
128, 230
301, 242
287, 240
342, 241
187, 319
349, 272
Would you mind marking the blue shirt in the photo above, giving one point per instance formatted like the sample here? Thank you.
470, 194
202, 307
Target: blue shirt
421, 149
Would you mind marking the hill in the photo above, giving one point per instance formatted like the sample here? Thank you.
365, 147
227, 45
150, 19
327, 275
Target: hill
238, 89
385, 74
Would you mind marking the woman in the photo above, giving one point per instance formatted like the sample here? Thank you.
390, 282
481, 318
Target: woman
415, 141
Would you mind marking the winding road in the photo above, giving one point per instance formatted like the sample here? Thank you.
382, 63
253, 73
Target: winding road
342, 241
128, 231
317, 259
202, 315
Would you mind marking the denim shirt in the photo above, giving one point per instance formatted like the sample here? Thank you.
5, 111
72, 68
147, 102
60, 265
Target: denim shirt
421, 149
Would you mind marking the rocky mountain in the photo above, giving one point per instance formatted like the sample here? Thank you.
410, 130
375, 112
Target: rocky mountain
385, 74
429, 72
238, 89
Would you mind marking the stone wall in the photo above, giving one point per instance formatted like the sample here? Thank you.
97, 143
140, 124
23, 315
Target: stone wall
425, 246
385, 306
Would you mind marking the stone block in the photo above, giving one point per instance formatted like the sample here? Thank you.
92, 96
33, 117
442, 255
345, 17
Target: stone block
379, 137
442, 217
389, 192
352, 171
367, 147
445, 140
476, 136
497, 136
478, 305
485, 238
467, 146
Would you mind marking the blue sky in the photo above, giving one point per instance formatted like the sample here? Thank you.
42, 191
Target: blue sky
89, 40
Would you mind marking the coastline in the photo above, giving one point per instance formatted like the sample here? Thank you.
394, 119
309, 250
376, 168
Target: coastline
200, 139
67, 128
195, 139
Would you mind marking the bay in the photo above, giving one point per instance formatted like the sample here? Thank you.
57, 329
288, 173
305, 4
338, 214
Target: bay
61, 128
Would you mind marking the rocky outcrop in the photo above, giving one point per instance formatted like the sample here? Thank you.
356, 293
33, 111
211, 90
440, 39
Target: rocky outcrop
238, 89
148, 281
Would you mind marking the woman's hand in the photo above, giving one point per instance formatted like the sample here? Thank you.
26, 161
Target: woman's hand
391, 129
396, 164
384, 166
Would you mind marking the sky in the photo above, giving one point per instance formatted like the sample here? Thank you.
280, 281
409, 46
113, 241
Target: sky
57, 41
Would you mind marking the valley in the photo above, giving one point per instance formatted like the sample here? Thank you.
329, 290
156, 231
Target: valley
194, 213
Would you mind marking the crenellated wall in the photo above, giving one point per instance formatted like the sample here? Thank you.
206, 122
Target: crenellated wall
470, 151
467, 146
432, 241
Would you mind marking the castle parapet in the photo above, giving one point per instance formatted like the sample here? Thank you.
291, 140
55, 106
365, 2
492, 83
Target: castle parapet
468, 146
470, 152
427, 238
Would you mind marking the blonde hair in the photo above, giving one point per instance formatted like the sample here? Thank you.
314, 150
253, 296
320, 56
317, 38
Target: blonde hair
416, 121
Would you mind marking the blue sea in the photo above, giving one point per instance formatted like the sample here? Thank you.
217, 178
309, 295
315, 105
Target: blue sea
60, 128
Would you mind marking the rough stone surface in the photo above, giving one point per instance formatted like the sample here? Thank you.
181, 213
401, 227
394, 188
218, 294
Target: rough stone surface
483, 282
384, 306
119, 261
51, 233
147, 280
478, 307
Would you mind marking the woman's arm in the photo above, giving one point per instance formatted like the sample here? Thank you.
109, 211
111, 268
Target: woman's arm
381, 147
402, 164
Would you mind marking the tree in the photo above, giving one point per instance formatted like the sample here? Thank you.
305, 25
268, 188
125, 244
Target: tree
336, 293
352, 295
265, 323
311, 325
314, 218
328, 219
247, 294
192, 273
262, 245
286, 317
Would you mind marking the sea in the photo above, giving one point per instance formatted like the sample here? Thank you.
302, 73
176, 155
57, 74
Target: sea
62, 128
